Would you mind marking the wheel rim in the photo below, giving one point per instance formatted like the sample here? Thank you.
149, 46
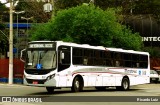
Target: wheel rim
125, 84
77, 84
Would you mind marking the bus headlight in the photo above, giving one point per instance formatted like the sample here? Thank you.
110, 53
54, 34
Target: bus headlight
50, 77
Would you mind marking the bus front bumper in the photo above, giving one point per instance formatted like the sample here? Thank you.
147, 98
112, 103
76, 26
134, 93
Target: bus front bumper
40, 83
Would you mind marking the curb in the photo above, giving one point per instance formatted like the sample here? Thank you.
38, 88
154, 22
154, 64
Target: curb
15, 80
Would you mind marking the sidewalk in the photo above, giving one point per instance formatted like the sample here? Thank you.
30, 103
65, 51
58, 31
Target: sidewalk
7, 84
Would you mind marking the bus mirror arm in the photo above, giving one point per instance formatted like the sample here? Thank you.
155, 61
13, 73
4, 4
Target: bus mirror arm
22, 55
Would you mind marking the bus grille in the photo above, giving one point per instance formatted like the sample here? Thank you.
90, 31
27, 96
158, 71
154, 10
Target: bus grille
37, 72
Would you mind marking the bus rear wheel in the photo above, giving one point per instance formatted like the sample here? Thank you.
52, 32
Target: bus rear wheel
50, 89
77, 85
125, 85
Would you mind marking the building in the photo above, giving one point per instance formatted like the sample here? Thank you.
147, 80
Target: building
147, 26
20, 37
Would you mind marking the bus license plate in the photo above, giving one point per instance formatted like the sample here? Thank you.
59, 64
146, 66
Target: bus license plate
35, 82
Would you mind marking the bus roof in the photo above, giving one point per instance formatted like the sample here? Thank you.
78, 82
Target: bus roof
92, 47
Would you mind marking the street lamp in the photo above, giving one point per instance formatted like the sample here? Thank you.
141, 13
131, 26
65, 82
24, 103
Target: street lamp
20, 12
91, 1
49, 6
27, 23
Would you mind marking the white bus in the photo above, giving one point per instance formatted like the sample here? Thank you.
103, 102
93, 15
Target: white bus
57, 64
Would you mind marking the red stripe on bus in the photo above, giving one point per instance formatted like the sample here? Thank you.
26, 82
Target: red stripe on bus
102, 72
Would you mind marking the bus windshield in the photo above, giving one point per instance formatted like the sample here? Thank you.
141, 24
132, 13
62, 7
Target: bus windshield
41, 59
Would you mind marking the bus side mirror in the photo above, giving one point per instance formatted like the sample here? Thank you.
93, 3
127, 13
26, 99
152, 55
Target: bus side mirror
22, 56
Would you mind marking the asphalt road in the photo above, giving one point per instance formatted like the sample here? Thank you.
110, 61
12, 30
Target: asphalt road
89, 94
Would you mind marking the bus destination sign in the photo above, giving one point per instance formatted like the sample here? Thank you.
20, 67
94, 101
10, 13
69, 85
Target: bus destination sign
41, 45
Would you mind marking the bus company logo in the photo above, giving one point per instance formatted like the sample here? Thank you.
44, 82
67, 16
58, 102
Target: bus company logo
6, 99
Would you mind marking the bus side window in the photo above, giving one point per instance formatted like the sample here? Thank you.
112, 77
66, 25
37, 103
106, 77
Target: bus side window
77, 54
117, 64
118, 59
137, 64
85, 61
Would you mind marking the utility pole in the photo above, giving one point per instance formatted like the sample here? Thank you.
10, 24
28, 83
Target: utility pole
53, 6
11, 44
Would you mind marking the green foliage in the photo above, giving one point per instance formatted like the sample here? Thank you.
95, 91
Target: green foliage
88, 24
148, 7
3, 38
62, 4
33, 9
2, 26
154, 51
138, 7
40, 31
2, 7
3, 41
128, 40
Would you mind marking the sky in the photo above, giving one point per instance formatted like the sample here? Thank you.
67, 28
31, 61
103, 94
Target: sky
4, 1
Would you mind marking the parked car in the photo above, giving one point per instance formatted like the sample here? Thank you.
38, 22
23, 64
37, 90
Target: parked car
154, 77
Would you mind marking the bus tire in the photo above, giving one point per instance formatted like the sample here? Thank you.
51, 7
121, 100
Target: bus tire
125, 84
50, 89
77, 84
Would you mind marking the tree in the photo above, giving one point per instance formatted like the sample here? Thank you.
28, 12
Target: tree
34, 9
128, 6
148, 7
63, 4
3, 37
3, 10
88, 24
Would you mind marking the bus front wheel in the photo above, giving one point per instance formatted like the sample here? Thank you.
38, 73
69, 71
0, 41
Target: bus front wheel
50, 89
77, 85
